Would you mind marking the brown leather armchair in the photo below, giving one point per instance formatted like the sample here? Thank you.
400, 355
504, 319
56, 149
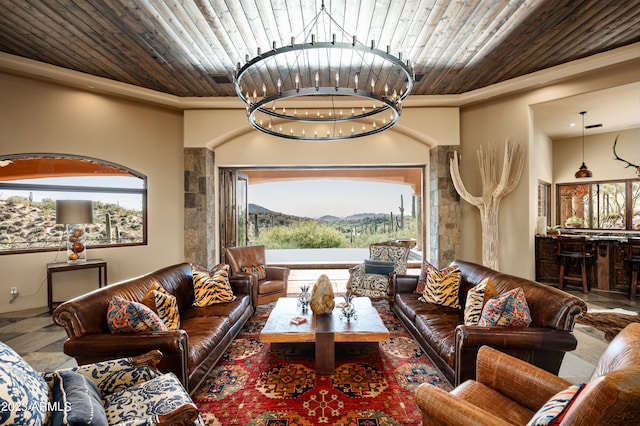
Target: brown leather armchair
509, 391
246, 262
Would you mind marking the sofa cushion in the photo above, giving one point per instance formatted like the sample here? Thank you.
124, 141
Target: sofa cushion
442, 287
260, 271
125, 316
23, 393
554, 410
167, 307
438, 330
397, 255
477, 297
271, 286
233, 310
507, 310
77, 400
212, 288
205, 334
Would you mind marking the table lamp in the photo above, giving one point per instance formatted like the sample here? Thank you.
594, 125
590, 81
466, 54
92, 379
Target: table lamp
75, 214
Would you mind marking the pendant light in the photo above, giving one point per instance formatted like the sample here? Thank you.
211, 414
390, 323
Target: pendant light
583, 171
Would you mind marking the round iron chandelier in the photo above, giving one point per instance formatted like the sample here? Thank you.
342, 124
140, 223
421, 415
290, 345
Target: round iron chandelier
323, 90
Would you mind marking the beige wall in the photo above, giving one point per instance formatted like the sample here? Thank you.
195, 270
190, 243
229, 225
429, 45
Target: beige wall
511, 117
598, 156
36, 117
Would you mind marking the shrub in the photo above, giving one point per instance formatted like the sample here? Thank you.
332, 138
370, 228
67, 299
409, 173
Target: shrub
308, 234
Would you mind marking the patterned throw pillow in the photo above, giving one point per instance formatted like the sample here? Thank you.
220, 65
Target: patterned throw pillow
554, 410
79, 400
506, 310
167, 307
199, 268
476, 298
442, 287
212, 288
397, 255
125, 316
23, 394
259, 270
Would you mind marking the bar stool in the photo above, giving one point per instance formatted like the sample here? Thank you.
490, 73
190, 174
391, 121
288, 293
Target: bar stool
572, 251
633, 257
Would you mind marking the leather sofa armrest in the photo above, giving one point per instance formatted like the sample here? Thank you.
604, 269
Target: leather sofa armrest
469, 337
241, 284
120, 345
522, 382
404, 283
279, 273
439, 407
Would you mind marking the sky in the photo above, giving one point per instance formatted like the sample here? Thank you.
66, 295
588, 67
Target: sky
316, 198
129, 201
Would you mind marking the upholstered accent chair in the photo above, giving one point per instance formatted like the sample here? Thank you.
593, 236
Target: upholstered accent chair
509, 391
125, 391
373, 277
269, 282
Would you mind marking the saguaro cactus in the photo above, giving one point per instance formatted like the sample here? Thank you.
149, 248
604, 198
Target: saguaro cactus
401, 224
493, 190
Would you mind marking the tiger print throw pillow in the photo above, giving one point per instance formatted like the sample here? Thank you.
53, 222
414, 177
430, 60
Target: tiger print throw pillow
167, 308
212, 288
477, 297
442, 287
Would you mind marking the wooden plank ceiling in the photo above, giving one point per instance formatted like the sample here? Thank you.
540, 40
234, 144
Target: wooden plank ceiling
190, 47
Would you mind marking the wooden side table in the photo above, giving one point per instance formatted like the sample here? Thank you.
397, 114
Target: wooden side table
100, 264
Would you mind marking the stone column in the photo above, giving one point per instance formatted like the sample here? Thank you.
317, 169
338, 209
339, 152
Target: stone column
444, 208
199, 232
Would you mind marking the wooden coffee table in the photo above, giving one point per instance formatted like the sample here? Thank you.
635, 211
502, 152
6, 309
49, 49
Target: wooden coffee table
324, 330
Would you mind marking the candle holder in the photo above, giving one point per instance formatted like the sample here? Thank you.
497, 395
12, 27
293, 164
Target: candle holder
348, 310
303, 299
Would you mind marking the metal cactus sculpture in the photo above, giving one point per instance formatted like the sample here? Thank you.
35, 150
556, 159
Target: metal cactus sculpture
493, 191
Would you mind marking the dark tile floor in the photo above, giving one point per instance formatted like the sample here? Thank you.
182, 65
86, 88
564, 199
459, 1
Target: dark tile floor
33, 334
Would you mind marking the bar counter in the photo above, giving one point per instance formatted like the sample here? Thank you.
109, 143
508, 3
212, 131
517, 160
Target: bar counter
611, 271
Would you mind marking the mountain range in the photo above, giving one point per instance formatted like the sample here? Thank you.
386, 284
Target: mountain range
254, 208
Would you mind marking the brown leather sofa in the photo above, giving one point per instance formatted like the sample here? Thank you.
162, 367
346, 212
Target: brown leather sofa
269, 289
509, 391
454, 347
190, 352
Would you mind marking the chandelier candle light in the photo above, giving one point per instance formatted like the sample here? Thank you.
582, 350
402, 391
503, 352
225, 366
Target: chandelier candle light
75, 214
357, 90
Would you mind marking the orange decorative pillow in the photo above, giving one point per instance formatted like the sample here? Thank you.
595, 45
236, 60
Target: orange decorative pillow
259, 270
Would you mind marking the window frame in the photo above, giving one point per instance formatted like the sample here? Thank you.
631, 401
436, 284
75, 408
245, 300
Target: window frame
6, 185
593, 203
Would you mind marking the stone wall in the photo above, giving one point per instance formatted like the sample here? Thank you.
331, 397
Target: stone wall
199, 207
444, 209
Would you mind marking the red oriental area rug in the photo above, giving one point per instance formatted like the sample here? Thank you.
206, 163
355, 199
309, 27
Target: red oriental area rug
256, 385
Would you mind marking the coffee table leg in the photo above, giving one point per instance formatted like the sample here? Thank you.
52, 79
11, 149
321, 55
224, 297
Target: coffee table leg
325, 345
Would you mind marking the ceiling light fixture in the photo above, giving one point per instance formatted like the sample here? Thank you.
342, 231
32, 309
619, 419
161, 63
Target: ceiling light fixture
356, 90
583, 171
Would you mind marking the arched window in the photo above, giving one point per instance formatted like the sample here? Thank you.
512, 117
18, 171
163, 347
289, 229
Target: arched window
30, 185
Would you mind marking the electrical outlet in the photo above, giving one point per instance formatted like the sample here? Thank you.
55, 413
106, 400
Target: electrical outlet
14, 291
